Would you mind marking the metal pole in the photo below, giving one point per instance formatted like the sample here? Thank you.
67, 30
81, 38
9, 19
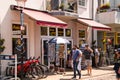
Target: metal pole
15, 66
21, 28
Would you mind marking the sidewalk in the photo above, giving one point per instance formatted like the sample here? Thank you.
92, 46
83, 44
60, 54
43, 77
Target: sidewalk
102, 71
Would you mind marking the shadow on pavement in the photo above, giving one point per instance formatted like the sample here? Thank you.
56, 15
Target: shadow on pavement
69, 79
106, 68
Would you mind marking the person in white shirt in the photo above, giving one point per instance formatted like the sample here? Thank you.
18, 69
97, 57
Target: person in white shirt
80, 59
97, 54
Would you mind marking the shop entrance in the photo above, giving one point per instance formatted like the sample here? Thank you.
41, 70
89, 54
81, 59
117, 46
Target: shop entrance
49, 53
45, 51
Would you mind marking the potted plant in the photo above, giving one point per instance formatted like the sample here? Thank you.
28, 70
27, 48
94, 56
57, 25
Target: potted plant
105, 6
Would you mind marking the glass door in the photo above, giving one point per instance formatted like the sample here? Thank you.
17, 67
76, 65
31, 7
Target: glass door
45, 51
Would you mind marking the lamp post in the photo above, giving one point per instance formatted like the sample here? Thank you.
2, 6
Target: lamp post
21, 5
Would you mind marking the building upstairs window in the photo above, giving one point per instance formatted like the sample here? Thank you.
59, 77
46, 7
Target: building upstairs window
82, 3
52, 4
63, 5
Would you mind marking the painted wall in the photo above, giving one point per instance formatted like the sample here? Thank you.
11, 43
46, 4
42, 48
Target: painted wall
36, 4
85, 12
6, 16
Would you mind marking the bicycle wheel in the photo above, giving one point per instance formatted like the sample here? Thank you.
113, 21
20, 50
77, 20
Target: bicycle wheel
37, 72
34, 72
7, 71
44, 69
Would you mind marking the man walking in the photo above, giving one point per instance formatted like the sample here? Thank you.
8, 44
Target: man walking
76, 55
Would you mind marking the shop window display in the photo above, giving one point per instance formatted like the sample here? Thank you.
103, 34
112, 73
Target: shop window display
52, 31
16, 50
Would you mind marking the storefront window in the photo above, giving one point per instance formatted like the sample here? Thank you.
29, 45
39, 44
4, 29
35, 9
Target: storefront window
118, 38
44, 31
68, 32
60, 32
81, 33
16, 29
16, 42
52, 31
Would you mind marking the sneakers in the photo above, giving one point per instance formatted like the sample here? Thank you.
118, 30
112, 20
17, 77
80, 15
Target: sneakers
79, 77
73, 77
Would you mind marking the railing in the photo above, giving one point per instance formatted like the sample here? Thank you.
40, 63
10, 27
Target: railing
108, 10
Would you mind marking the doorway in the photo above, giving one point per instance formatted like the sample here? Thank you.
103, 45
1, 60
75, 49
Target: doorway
44, 51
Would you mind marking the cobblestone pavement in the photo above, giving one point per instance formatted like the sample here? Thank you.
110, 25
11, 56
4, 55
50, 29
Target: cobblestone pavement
103, 77
103, 73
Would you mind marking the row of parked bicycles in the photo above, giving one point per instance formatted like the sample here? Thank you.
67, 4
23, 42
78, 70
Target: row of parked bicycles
30, 69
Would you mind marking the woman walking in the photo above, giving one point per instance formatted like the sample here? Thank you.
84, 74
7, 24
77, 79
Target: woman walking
88, 59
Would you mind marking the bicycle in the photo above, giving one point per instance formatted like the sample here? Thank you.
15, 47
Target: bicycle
43, 67
29, 70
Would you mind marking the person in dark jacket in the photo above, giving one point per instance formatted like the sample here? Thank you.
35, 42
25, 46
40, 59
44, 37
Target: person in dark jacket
117, 64
88, 59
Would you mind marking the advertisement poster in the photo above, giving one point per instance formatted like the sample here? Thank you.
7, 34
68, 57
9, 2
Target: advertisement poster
51, 51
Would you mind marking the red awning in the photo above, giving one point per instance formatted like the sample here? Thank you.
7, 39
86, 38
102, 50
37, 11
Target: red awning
95, 25
44, 18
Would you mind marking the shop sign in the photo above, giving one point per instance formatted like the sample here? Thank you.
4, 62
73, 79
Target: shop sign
16, 29
81, 33
52, 31
60, 32
68, 32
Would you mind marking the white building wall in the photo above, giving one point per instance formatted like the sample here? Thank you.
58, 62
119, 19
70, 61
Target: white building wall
85, 12
6, 19
36, 4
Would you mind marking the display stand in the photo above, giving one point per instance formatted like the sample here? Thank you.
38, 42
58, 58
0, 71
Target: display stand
60, 51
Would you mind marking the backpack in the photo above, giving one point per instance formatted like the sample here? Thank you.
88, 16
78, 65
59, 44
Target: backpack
87, 54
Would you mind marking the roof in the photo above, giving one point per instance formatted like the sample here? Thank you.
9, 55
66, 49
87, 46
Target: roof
44, 18
94, 24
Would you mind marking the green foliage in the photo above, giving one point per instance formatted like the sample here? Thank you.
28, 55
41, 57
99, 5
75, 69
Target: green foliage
2, 47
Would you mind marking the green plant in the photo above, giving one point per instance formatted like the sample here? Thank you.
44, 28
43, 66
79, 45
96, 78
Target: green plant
1, 45
2, 48
2, 41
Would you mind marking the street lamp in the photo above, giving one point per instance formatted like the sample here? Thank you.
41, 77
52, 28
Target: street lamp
21, 5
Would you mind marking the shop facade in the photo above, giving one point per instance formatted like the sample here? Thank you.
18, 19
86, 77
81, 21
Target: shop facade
38, 30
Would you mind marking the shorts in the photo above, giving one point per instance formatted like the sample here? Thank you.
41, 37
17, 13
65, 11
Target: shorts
88, 62
96, 59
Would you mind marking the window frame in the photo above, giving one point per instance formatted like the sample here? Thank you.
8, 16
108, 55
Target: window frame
82, 5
